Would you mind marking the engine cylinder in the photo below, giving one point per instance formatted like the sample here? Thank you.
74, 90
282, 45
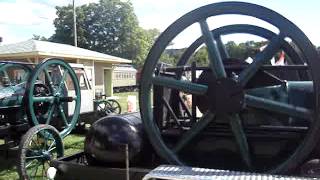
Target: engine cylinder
106, 140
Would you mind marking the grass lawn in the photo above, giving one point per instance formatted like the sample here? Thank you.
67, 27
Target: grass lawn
122, 99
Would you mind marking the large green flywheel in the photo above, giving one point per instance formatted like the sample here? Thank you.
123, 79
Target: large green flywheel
248, 103
53, 95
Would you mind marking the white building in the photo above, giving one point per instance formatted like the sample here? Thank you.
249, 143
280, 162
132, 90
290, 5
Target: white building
99, 66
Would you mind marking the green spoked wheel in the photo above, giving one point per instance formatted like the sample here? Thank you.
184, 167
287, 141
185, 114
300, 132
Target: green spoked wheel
107, 107
53, 95
40, 145
14, 73
113, 106
246, 100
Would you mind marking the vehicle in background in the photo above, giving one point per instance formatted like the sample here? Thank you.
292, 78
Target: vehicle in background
124, 78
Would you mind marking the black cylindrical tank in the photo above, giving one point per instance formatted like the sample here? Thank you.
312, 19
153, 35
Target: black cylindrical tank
106, 140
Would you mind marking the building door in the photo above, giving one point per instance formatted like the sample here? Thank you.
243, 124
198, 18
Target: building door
108, 87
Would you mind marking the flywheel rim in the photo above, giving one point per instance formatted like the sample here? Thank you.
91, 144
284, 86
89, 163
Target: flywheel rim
29, 99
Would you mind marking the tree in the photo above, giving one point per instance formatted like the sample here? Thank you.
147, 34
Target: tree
201, 57
109, 26
145, 40
239, 51
244, 50
40, 38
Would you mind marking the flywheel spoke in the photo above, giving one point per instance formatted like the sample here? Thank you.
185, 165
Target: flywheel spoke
34, 157
194, 131
63, 78
101, 108
50, 114
175, 118
52, 145
261, 58
223, 51
51, 149
216, 64
32, 162
278, 107
63, 115
49, 80
49, 99
241, 138
184, 106
181, 85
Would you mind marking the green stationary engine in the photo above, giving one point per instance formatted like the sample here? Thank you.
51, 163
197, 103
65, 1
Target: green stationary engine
39, 94
33, 100
12, 83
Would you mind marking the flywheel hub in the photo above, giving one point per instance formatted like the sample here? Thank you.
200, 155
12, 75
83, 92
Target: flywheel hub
225, 95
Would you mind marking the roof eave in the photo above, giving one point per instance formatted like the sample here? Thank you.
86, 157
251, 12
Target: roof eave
120, 60
20, 54
39, 53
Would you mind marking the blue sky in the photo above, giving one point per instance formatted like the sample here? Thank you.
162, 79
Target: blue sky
20, 19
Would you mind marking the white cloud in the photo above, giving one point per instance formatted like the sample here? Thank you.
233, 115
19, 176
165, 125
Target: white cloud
7, 35
24, 13
160, 14
66, 2
22, 18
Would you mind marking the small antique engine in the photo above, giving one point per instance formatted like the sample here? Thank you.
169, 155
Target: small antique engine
108, 137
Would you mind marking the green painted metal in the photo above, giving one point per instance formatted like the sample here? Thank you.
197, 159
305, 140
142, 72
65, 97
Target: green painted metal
5, 67
261, 58
241, 138
9, 96
301, 85
12, 90
222, 49
279, 107
184, 86
213, 51
40, 145
57, 98
277, 93
272, 105
194, 131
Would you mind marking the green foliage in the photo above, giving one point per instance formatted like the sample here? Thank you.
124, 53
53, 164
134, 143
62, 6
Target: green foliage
145, 40
243, 50
40, 38
123, 100
239, 51
168, 59
64, 24
109, 26
171, 56
201, 57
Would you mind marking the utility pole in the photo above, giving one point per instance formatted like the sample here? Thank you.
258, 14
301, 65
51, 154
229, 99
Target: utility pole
74, 25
